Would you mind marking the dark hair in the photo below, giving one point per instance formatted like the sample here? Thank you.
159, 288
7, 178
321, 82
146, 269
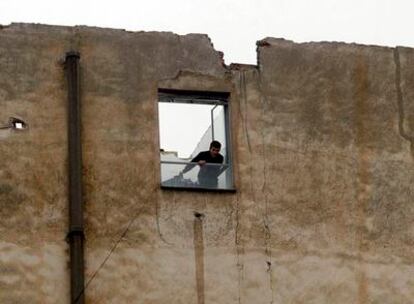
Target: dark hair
215, 144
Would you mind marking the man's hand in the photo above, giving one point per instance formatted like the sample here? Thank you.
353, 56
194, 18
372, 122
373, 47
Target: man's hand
201, 162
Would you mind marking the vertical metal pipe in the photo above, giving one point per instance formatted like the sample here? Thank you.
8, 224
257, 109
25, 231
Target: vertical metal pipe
76, 233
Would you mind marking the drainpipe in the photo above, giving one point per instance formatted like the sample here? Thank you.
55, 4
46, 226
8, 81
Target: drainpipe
76, 232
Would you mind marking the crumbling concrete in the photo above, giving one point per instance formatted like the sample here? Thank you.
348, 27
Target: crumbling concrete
323, 162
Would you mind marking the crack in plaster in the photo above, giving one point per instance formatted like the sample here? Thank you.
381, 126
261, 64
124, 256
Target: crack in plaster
270, 272
243, 97
108, 256
244, 119
238, 241
243, 113
400, 100
267, 231
243, 92
268, 252
268, 248
157, 221
239, 248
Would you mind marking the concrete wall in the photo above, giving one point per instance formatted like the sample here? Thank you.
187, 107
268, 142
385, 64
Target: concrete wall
322, 143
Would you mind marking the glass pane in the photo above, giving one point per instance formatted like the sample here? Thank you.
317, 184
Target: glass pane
209, 176
219, 128
184, 128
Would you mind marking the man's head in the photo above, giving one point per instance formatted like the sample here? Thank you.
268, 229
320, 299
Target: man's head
215, 147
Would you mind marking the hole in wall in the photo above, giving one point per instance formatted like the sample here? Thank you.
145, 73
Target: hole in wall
198, 215
17, 124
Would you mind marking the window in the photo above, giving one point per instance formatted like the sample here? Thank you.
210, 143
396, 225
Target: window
189, 122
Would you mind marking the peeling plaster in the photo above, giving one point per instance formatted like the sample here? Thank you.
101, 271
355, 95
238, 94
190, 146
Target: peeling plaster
400, 101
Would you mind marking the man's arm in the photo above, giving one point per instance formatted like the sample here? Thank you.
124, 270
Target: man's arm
191, 166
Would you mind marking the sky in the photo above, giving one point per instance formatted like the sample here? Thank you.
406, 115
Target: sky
234, 26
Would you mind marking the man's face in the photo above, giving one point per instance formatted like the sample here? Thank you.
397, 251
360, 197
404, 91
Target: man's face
214, 151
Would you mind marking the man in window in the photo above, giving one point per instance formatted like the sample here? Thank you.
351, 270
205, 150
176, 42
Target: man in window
209, 165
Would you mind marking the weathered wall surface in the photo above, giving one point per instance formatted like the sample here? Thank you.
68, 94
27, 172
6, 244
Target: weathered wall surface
339, 171
322, 138
33, 204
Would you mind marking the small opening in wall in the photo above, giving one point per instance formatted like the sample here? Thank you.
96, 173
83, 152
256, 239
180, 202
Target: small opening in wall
17, 124
198, 215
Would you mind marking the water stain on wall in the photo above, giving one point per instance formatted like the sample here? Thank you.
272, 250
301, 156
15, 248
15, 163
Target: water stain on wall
199, 256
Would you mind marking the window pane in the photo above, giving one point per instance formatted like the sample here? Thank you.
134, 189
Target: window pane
219, 129
183, 126
210, 176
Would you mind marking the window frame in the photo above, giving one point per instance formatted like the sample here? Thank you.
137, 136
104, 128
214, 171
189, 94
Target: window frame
204, 98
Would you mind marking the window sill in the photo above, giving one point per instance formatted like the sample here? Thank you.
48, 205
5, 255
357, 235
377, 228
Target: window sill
199, 189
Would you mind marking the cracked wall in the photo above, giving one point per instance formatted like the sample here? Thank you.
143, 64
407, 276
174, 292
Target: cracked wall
322, 138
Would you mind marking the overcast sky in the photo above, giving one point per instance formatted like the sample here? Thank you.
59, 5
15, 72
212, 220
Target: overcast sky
233, 25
